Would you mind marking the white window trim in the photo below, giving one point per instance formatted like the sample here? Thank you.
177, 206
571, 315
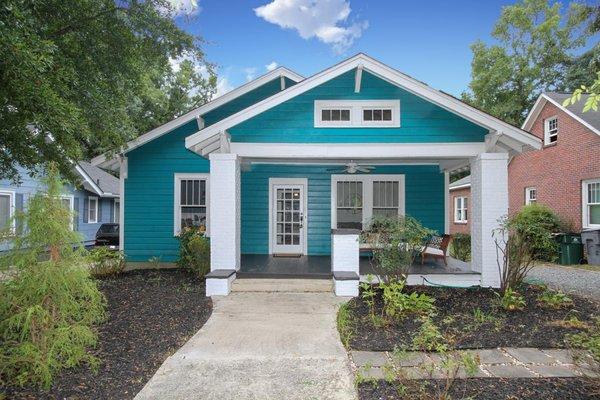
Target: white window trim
356, 113
71, 199
547, 130
584, 204
89, 200
367, 184
288, 181
115, 202
12, 206
462, 209
177, 199
528, 199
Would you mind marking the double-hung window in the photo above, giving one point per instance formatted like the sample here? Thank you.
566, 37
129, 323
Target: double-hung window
92, 210
7, 206
117, 211
530, 195
461, 209
550, 130
67, 203
356, 199
591, 203
191, 201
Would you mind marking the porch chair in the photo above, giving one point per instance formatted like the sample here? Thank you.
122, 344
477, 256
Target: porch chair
436, 247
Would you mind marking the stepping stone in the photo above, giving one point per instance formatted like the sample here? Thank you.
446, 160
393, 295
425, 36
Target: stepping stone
529, 356
560, 355
553, 371
413, 373
509, 371
372, 373
411, 359
372, 358
491, 356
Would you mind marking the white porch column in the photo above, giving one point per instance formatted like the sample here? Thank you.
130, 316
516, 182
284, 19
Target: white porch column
489, 202
225, 211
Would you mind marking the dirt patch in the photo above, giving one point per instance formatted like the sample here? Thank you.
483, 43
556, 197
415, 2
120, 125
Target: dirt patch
475, 319
486, 389
151, 314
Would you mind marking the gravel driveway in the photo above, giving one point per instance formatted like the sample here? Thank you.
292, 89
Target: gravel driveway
567, 279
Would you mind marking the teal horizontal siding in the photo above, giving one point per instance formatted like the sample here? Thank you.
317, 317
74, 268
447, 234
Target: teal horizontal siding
424, 187
420, 120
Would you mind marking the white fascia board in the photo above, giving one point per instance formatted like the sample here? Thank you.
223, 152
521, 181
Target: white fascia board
534, 112
389, 74
356, 151
466, 185
280, 72
89, 180
574, 116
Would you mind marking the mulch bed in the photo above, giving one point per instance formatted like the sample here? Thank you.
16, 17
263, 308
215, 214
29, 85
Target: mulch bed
488, 389
535, 326
151, 314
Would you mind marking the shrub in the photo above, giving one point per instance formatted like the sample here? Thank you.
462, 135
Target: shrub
460, 247
554, 300
106, 262
397, 304
512, 301
194, 251
398, 240
523, 239
47, 308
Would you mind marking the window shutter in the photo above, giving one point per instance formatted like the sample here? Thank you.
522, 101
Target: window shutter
76, 214
99, 205
111, 209
19, 209
86, 213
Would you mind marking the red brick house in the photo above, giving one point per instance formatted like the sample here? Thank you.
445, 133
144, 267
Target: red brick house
564, 174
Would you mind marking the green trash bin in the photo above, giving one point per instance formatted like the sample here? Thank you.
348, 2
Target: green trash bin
570, 249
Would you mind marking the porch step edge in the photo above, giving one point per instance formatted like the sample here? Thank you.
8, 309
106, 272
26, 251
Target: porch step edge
282, 285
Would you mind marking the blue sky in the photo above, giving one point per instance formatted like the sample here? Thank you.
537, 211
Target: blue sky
428, 40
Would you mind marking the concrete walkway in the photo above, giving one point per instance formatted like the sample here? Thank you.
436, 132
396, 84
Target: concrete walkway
270, 345
568, 279
494, 363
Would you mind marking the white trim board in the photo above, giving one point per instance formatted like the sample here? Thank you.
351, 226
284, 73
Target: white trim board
280, 72
176, 199
539, 105
288, 181
11, 207
383, 71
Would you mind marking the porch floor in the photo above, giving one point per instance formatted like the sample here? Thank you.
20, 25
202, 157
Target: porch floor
319, 267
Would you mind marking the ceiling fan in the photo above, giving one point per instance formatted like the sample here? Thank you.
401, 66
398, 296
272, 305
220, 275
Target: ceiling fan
353, 167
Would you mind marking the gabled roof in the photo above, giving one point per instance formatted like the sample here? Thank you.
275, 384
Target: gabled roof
590, 119
360, 62
280, 72
97, 180
461, 183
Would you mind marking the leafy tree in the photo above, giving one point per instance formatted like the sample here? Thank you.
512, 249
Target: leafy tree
534, 49
48, 302
76, 77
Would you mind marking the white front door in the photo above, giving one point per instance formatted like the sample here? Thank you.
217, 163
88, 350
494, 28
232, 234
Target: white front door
288, 216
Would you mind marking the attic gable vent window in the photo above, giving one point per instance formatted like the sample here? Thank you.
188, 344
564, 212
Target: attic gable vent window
551, 130
357, 113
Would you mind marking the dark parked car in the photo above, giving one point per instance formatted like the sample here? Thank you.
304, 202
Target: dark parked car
108, 235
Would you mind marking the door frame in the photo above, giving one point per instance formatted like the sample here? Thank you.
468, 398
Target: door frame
288, 181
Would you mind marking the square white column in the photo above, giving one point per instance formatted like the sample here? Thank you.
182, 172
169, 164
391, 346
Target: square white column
225, 211
489, 203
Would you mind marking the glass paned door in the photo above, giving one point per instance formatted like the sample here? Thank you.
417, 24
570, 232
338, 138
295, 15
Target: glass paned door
288, 217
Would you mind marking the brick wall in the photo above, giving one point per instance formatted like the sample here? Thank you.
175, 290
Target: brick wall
556, 171
456, 227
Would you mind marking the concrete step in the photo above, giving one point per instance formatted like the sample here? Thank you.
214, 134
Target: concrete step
282, 285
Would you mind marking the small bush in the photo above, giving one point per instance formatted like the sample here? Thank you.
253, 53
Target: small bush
397, 304
589, 341
554, 300
48, 308
106, 262
460, 248
194, 251
429, 337
512, 301
344, 323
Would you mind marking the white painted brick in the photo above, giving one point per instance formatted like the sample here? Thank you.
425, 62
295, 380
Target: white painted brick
489, 202
225, 210
345, 253
219, 287
346, 288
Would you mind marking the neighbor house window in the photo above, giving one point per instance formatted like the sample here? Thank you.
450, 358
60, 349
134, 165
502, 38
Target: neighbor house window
460, 209
92, 210
191, 201
356, 199
591, 203
117, 211
530, 195
7, 206
67, 202
357, 113
551, 130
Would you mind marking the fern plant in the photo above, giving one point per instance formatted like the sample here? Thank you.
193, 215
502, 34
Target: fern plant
49, 304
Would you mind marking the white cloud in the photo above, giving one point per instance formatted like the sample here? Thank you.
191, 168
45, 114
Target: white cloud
223, 86
183, 7
250, 73
271, 66
327, 20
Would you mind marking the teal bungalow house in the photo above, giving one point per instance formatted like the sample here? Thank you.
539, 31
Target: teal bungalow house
285, 171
